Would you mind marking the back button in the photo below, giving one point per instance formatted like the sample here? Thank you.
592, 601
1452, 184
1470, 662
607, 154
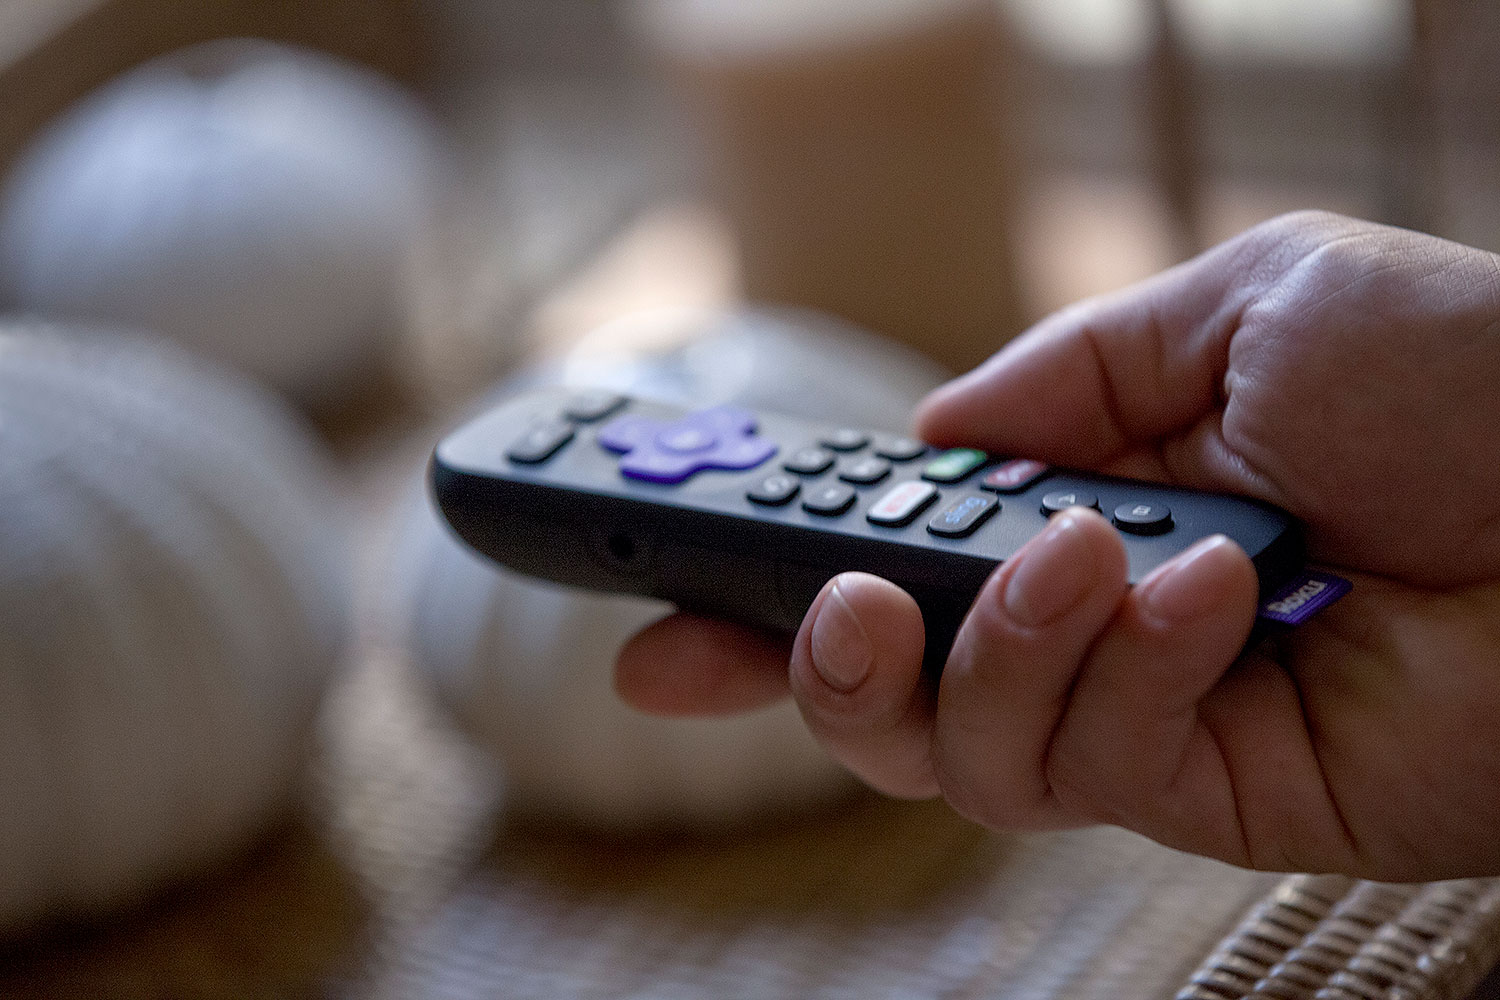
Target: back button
540, 443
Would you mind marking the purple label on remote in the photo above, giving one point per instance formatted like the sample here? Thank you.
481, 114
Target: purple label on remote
1307, 594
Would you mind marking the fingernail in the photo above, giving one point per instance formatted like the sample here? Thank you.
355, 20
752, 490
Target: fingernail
1190, 585
1054, 576
841, 651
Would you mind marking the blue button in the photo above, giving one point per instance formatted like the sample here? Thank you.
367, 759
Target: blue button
963, 516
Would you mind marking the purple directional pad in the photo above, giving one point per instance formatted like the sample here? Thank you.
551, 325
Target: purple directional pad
624, 434
660, 452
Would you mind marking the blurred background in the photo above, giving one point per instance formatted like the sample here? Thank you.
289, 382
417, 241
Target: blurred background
1125, 134
387, 207
1128, 133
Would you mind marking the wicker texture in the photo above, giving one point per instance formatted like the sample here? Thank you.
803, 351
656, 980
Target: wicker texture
1333, 938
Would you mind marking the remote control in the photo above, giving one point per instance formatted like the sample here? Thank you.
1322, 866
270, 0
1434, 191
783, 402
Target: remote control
745, 515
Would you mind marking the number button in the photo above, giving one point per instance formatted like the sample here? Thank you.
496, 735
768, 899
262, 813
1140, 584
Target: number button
846, 439
809, 461
1143, 518
774, 490
829, 501
865, 471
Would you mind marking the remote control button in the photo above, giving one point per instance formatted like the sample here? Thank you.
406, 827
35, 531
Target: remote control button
901, 504
743, 453
1061, 500
628, 433
1013, 476
830, 500
659, 467
809, 461
719, 438
590, 405
865, 471
963, 516
774, 490
953, 465
665, 467
540, 443
686, 440
846, 439
1143, 518
899, 449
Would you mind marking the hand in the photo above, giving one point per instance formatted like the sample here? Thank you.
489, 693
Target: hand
1345, 371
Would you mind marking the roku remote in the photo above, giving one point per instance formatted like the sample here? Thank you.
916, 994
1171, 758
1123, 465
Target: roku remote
745, 515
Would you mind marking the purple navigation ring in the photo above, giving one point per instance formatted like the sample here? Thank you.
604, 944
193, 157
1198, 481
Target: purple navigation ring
745, 453
627, 433
730, 421
658, 452
660, 467
686, 440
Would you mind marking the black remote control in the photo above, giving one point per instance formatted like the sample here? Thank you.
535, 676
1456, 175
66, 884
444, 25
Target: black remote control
746, 515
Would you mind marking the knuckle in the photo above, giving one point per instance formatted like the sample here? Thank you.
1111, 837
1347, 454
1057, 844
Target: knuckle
1310, 221
1084, 788
987, 798
979, 804
1306, 228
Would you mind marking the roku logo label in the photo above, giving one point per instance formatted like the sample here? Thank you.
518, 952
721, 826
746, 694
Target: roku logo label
1297, 598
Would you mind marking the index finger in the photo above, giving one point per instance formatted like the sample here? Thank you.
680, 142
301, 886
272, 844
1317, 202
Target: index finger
1131, 383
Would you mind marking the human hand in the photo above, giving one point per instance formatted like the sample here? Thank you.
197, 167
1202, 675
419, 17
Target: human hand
1347, 372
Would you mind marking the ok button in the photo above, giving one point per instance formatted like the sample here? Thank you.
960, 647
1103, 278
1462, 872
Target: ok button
686, 440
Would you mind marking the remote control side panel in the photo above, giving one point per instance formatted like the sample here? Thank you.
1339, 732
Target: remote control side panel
746, 515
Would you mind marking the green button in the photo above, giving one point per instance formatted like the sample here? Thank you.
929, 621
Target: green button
953, 465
